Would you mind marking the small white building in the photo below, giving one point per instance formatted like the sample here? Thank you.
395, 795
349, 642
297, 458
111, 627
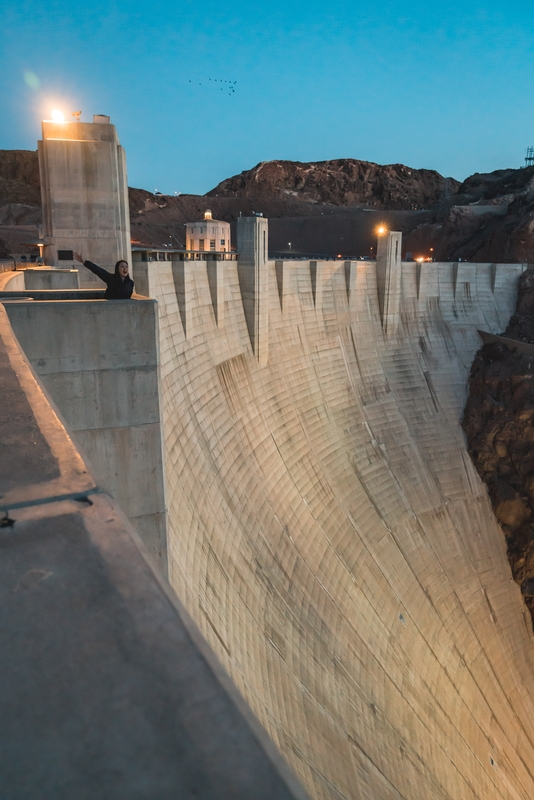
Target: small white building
208, 234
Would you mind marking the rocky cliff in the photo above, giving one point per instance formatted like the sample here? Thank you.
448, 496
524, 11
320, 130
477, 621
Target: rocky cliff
491, 218
341, 182
499, 424
19, 177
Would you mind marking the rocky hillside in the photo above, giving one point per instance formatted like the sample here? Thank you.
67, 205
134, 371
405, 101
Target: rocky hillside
491, 219
499, 424
19, 177
341, 182
321, 208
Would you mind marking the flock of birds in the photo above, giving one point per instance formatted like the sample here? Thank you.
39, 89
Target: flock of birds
230, 85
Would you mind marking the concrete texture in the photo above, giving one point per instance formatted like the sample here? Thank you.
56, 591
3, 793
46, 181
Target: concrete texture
12, 281
107, 689
44, 278
84, 194
99, 362
329, 534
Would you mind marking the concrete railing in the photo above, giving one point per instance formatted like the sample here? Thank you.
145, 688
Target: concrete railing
38, 278
99, 362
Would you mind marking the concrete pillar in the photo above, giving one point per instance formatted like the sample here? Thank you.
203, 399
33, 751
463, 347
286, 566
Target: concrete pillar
252, 245
388, 279
84, 192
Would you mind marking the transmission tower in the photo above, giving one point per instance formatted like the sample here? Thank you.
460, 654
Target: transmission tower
529, 159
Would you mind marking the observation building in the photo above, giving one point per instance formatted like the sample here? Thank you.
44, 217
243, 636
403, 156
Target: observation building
208, 234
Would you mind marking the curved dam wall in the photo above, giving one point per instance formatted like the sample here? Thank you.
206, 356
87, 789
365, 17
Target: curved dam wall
328, 532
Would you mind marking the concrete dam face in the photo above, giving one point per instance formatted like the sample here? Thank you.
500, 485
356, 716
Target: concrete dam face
327, 530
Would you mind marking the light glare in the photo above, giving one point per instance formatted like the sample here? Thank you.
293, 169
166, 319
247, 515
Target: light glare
31, 79
58, 116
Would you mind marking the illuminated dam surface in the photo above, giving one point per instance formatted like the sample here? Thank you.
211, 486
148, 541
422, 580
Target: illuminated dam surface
329, 534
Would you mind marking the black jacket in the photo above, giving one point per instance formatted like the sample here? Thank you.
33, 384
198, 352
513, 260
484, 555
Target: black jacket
118, 289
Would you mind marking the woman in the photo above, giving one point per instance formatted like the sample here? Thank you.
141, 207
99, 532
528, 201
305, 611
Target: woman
120, 285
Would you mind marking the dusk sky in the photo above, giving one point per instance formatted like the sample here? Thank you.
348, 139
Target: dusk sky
447, 87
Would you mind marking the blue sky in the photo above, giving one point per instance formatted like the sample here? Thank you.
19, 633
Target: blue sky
447, 87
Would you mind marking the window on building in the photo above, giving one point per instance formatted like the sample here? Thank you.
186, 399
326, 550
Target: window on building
65, 255
201, 244
161, 256
223, 242
212, 244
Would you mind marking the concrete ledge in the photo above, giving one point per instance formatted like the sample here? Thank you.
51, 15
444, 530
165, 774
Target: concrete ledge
12, 293
12, 281
51, 278
511, 344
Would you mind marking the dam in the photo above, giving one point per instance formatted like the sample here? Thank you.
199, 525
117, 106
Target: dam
316, 511
330, 536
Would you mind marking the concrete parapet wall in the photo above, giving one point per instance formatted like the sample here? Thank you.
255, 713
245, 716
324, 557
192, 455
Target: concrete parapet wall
12, 281
55, 278
99, 362
328, 532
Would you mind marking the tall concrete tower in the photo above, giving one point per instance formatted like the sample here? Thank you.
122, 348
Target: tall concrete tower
84, 192
252, 265
388, 279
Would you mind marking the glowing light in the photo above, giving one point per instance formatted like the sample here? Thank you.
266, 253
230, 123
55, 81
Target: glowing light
420, 259
381, 230
58, 116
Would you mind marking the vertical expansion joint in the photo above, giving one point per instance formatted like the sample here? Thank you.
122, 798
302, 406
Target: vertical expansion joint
313, 279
